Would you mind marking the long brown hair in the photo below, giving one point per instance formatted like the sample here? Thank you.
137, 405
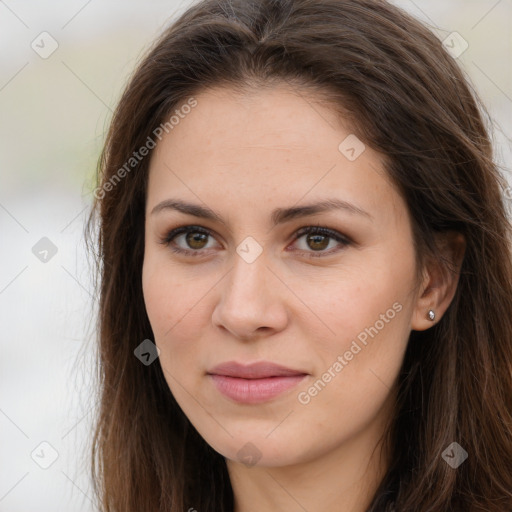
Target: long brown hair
405, 97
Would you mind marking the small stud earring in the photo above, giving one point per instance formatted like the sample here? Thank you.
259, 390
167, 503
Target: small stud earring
431, 314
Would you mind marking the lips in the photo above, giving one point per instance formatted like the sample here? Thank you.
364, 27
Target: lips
254, 383
258, 370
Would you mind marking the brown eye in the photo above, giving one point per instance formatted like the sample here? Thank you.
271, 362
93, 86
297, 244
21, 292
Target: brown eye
196, 240
189, 240
317, 242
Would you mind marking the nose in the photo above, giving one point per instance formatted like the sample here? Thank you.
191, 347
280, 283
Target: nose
251, 302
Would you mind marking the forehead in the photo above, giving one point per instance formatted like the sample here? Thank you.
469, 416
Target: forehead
278, 118
277, 145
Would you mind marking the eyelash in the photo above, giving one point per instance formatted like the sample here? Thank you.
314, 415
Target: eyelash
345, 241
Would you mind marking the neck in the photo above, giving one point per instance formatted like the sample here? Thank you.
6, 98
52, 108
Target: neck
343, 478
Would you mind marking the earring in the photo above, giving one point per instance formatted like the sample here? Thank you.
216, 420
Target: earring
431, 314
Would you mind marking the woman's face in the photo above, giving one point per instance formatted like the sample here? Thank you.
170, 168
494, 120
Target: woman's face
255, 288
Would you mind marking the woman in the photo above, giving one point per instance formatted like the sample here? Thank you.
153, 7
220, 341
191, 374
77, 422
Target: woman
304, 258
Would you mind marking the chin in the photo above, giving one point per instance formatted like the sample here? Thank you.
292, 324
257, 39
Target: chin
256, 451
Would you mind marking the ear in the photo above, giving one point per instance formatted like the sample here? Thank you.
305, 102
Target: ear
440, 279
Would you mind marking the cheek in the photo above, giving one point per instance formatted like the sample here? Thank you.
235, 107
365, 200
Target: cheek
167, 296
356, 368
360, 304
159, 293
368, 314
175, 304
169, 306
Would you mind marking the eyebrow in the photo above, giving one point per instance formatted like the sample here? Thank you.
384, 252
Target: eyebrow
279, 215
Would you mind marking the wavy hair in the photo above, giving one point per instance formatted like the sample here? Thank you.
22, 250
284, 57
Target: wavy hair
407, 98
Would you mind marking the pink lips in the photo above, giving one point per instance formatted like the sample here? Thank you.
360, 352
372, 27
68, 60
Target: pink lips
254, 383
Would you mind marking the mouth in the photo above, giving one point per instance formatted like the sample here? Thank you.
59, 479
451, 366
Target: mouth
254, 383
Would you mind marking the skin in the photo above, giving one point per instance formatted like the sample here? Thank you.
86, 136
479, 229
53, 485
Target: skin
243, 156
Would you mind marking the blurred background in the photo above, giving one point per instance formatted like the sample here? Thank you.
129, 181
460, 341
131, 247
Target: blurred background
63, 65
